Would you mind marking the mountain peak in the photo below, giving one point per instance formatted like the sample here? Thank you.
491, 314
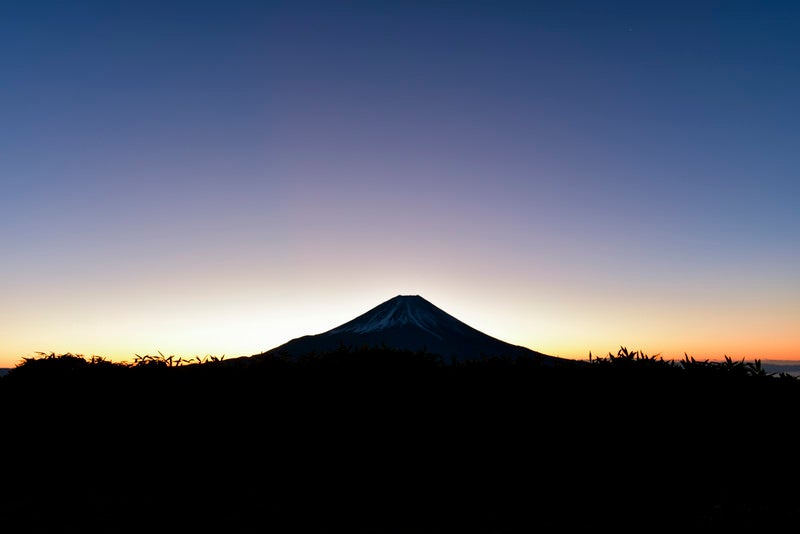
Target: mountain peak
402, 310
409, 322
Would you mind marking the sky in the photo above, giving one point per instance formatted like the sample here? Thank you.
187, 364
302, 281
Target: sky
216, 178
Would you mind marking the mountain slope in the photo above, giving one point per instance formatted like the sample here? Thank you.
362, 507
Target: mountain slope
409, 322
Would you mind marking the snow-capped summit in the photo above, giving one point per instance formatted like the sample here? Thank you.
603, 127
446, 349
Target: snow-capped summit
402, 310
409, 322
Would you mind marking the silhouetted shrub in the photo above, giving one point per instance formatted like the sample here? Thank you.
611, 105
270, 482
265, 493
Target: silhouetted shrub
386, 439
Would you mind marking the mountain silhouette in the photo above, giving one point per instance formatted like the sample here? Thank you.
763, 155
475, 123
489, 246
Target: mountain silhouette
409, 322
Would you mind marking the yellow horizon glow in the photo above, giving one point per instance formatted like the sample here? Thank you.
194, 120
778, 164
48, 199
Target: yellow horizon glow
233, 327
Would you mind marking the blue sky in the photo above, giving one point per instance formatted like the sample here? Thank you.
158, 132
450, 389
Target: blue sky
215, 178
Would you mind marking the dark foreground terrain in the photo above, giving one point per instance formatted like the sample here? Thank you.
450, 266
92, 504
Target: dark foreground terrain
381, 441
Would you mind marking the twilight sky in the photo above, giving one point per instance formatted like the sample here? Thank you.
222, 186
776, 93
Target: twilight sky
216, 178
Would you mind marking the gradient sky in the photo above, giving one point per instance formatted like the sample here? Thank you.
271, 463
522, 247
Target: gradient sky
216, 178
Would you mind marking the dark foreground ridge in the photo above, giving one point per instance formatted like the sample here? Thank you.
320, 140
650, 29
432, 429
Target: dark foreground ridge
390, 441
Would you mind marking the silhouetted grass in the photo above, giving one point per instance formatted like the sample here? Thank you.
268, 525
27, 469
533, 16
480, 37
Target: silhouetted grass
379, 440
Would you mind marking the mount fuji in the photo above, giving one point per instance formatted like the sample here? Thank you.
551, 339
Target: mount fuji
409, 322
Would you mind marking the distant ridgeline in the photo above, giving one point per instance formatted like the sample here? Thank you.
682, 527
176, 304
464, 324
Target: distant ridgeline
411, 323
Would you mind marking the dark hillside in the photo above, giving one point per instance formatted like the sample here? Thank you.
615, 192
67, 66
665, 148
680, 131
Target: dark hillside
391, 441
412, 324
